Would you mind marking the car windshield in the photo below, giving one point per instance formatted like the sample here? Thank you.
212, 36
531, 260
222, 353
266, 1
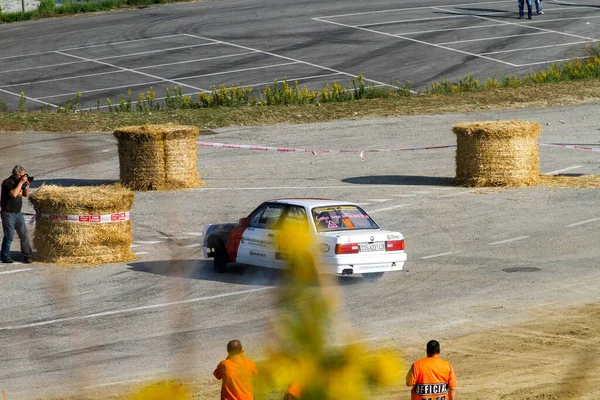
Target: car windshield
341, 218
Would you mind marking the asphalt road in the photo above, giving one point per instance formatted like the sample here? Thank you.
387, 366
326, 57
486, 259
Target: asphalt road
477, 259
251, 43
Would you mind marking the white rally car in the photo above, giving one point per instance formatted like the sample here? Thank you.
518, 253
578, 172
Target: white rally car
346, 239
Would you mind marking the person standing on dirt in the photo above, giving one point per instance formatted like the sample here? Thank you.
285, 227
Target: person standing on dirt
14, 188
521, 11
432, 378
237, 373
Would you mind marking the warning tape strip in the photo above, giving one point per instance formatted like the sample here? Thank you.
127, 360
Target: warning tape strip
314, 151
571, 146
361, 152
116, 217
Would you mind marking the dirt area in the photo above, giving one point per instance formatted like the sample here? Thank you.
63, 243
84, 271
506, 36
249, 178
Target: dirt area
554, 356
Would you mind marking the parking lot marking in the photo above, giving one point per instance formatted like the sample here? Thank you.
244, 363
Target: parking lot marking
16, 270
509, 240
148, 241
449, 29
99, 90
121, 42
193, 245
202, 189
173, 237
139, 253
141, 53
412, 8
291, 59
535, 48
378, 200
196, 60
405, 195
27, 97
387, 208
439, 255
528, 25
193, 233
123, 69
121, 382
131, 310
587, 221
418, 41
62, 79
558, 171
493, 38
459, 193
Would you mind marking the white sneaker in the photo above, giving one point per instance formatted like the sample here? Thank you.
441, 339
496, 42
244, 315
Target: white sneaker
540, 13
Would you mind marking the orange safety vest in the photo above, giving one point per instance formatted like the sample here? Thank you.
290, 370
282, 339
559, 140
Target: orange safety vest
431, 378
236, 372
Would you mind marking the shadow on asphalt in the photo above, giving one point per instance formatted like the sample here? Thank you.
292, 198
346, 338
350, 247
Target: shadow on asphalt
236, 273
400, 180
72, 182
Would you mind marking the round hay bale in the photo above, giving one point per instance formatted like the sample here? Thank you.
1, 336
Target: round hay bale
497, 153
68, 230
158, 157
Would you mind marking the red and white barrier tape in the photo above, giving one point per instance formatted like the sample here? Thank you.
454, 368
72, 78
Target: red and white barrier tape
100, 219
361, 152
571, 146
314, 151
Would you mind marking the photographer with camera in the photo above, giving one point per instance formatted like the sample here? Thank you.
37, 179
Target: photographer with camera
14, 188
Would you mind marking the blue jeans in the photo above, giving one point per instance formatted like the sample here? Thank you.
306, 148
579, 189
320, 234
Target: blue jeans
12, 222
538, 6
528, 7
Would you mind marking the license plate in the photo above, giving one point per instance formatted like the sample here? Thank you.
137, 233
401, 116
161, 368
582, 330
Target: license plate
379, 246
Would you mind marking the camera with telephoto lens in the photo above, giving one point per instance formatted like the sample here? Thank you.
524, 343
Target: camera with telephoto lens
29, 178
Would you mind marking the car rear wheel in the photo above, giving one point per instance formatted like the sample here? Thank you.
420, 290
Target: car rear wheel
221, 257
373, 276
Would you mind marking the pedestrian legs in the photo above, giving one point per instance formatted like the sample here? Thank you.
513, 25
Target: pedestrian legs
8, 227
21, 228
529, 8
538, 7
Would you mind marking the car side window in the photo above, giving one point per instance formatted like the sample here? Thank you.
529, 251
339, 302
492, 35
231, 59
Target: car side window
296, 218
267, 217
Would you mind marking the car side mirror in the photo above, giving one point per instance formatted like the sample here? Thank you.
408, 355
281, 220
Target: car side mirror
243, 222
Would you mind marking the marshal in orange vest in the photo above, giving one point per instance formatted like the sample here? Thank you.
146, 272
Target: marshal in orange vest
432, 378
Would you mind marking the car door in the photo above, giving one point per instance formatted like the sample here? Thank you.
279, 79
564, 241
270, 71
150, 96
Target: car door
294, 218
257, 245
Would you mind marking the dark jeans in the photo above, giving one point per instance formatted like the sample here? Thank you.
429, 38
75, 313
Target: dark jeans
12, 222
521, 5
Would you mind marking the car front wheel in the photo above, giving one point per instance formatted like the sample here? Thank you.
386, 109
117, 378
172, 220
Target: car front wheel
221, 257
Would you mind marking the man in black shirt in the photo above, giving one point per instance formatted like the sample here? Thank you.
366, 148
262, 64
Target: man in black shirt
14, 188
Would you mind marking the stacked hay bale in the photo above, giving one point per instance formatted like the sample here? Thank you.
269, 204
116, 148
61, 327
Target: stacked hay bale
158, 157
83, 225
497, 153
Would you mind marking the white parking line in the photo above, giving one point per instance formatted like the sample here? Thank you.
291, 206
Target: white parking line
202, 189
412, 8
417, 41
130, 310
173, 237
459, 193
148, 241
193, 233
378, 200
139, 253
121, 42
123, 69
193, 245
196, 60
509, 240
534, 48
558, 171
387, 208
493, 38
15, 270
439, 255
121, 382
291, 59
28, 98
141, 53
587, 221
405, 195
100, 90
